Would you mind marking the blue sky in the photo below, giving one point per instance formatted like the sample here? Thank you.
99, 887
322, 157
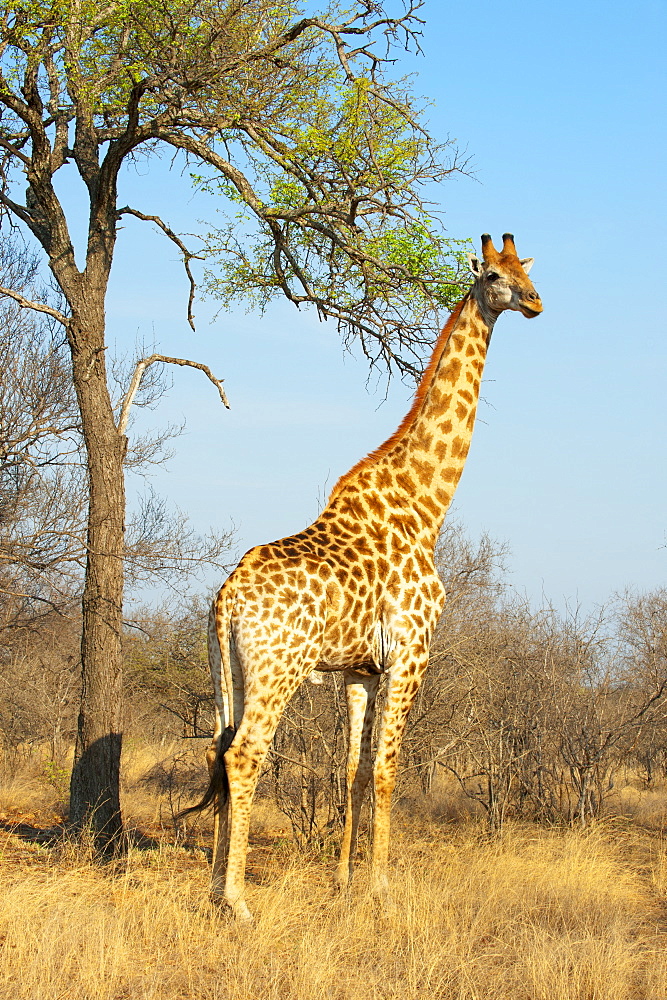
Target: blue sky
561, 108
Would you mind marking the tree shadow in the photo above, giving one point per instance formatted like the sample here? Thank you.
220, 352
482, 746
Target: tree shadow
46, 836
62, 833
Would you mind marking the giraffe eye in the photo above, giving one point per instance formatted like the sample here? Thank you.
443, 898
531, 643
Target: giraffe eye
492, 276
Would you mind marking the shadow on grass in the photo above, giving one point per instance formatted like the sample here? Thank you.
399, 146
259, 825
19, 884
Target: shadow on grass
54, 836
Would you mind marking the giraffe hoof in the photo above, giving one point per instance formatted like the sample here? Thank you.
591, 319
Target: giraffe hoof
237, 911
342, 879
243, 916
380, 888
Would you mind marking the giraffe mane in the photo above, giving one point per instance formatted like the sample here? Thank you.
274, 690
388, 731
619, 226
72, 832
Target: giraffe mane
420, 393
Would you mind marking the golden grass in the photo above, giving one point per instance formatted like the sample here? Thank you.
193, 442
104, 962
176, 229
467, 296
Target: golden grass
535, 916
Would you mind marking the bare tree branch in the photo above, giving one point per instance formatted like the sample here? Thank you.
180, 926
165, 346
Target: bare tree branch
37, 306
187, 255
138, 374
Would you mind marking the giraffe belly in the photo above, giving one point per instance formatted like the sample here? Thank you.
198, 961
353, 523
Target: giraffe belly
343, 649
366, 667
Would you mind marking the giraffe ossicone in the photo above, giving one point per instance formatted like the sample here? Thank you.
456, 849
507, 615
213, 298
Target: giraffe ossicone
357, 592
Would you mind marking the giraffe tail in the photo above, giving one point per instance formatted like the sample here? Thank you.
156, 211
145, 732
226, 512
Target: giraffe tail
221, 673
218, 786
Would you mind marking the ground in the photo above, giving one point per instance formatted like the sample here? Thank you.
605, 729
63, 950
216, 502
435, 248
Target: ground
533, 915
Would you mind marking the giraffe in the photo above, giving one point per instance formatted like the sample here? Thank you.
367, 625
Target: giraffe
357, 591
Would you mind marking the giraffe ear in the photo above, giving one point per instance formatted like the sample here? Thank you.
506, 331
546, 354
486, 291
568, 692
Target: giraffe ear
475, 265
527, 263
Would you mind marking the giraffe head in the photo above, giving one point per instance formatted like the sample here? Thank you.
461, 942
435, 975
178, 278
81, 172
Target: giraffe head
502, 280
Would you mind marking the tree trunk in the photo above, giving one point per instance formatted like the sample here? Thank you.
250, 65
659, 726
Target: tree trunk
94, 789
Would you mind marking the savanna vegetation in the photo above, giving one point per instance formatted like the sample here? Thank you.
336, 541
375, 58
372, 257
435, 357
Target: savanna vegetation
528, 856
296, 121
528, 859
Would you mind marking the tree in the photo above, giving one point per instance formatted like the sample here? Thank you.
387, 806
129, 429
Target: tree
42, 502
295, 119
642, 628
167, 668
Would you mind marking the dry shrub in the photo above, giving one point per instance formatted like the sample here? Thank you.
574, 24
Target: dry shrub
31, 782
534, 916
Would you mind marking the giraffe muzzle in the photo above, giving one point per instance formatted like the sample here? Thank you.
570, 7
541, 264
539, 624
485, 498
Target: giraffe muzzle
532, 308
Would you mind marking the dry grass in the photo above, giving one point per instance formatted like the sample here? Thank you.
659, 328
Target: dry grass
545, 916
538, 915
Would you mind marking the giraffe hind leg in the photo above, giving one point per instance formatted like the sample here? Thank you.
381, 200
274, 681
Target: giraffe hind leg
219, 782
244, 760
360, 693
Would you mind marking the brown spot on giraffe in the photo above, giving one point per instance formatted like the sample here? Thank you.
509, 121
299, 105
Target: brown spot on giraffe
384, 478
383, 568
375, 505
405, 482
460, 447
357, 591
431, 505
452, 371
424, 441
399, 546
424, 471
369, 565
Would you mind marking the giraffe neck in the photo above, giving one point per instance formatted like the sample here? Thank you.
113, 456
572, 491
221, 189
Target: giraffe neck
418, 468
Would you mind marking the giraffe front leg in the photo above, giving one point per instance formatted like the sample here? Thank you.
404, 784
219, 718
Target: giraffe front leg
405, 677
360, 694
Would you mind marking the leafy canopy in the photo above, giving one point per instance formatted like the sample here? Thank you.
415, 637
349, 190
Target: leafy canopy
320, 157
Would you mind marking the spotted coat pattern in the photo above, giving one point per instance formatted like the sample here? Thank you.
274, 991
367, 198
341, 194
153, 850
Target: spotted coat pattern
357, 591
